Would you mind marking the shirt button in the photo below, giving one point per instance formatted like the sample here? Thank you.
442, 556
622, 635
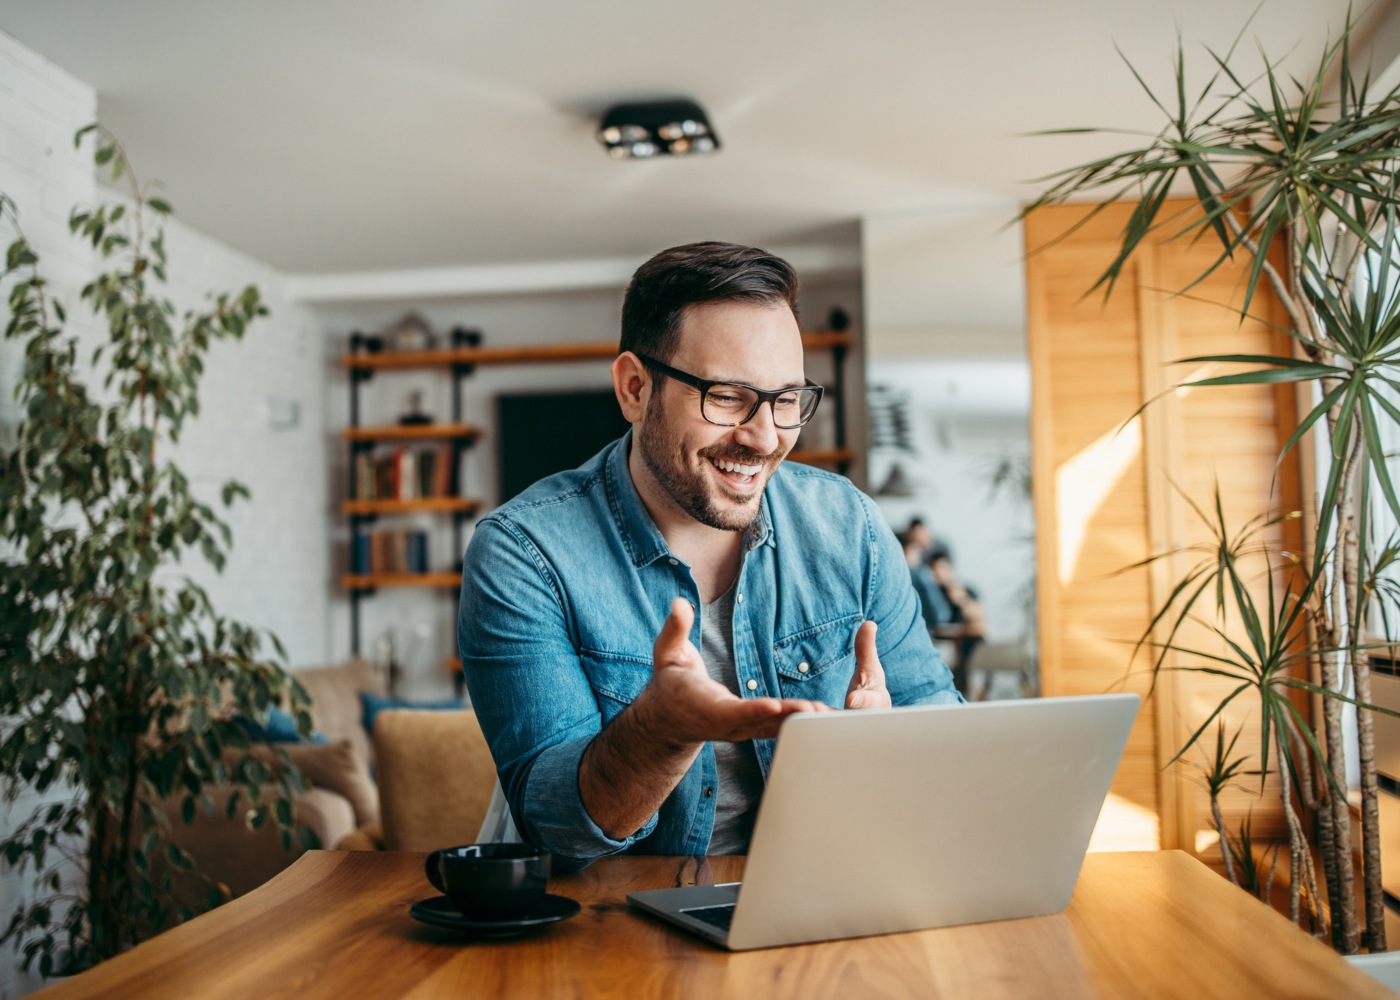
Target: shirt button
752, 684
803, 667
709, 793
740, 598
673, 562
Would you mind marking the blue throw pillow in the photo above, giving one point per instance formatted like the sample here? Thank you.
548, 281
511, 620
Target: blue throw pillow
281, 727
372, 704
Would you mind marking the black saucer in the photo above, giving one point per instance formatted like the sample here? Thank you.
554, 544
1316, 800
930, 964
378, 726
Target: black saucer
442, 912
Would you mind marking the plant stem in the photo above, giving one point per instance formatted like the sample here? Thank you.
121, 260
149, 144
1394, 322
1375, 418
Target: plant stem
1302, 876
1370, 808
1225, 852
1345, 575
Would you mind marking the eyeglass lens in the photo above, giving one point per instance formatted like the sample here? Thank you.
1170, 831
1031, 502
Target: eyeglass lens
731, 405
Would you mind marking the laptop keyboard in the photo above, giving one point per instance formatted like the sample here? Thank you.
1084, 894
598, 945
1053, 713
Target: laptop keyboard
716, 916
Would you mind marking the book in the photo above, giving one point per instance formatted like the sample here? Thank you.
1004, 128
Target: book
427, 472
408, 475
364, 476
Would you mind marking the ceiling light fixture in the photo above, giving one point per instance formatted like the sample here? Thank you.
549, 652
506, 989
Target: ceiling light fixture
640, 131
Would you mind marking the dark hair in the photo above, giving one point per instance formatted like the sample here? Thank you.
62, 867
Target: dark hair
672, 281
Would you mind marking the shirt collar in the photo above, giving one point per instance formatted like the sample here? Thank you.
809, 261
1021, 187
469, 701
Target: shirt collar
640, 534
761, 531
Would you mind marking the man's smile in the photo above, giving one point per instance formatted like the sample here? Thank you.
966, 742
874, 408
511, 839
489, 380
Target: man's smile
741, 475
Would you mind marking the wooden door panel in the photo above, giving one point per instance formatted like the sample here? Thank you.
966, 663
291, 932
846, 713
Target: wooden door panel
1110, 492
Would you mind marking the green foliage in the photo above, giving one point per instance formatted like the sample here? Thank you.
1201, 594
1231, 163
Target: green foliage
118, 679
1236, 847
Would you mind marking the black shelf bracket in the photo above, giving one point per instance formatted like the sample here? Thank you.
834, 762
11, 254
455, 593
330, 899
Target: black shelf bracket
359, 344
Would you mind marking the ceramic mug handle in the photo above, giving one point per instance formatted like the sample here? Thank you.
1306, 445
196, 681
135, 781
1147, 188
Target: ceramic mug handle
434, 871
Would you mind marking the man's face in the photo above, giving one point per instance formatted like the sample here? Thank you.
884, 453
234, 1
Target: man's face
942, 570
717, 474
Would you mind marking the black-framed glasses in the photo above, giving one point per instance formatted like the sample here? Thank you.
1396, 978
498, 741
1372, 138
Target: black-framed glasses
730, 404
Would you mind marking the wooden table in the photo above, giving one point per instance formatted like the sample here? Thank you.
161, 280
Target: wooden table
336, 924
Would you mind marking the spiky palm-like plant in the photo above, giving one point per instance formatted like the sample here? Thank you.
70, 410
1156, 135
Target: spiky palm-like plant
1309, 167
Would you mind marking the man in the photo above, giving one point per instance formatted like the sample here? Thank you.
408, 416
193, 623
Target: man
933, 604
965, 622
918, 533
633, 632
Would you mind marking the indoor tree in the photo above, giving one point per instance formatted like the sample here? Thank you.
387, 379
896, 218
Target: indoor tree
1296, 179
120, 685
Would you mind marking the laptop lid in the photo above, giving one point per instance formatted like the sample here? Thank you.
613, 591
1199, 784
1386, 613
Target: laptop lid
901, 819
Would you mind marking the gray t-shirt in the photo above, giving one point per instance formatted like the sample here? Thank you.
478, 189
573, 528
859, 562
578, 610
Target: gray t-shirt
740, 781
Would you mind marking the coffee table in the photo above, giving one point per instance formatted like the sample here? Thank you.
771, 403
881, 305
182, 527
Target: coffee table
336, 924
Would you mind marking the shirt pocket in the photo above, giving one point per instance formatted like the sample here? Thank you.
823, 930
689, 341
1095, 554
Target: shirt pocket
617, 680
817, 663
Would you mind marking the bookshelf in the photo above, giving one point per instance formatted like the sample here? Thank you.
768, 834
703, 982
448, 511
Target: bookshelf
418, 432
426, 505
449, 440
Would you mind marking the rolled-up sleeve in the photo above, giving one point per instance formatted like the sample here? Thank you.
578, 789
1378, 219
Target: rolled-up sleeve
530, 692
915, 673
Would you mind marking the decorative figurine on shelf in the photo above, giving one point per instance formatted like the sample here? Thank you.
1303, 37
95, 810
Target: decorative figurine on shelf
415, 417
411, 333
363, 344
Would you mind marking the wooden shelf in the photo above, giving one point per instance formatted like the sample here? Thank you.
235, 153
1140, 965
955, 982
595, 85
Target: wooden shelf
412, 432
538, 354
824, 340
821, 456
428, 505
364, 581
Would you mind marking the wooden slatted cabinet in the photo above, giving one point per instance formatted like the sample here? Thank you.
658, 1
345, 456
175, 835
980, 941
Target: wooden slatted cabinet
1111, 491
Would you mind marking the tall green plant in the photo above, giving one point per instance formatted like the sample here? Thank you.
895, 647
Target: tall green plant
1297, 178
118, 680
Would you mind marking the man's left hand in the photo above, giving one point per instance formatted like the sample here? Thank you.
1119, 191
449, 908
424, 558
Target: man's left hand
867, 688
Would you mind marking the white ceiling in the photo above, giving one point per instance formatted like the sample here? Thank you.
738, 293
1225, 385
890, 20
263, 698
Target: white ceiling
349, 135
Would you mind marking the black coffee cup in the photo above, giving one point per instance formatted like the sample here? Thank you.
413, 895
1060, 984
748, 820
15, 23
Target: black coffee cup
490, 881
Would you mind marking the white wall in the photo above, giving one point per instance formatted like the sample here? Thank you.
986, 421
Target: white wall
40, 109
261, 422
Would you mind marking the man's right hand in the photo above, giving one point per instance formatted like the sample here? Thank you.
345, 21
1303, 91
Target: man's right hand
640, 757
684, 705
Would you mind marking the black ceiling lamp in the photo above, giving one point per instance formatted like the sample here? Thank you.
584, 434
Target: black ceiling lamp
642, 130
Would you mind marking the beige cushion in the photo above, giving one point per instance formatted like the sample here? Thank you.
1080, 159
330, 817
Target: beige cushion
435, 776
335, 700
335, 767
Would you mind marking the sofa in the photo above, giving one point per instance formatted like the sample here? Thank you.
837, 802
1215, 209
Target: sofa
340, 806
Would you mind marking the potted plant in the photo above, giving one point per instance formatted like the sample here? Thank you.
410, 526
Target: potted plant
1298, 180
120, 685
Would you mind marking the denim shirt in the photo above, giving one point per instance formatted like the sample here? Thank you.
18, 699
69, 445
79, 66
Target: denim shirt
566, 587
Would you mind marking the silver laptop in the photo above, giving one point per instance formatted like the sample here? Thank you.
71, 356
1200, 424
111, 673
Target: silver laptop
901, 819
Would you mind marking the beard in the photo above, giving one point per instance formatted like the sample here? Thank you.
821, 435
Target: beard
692, 490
